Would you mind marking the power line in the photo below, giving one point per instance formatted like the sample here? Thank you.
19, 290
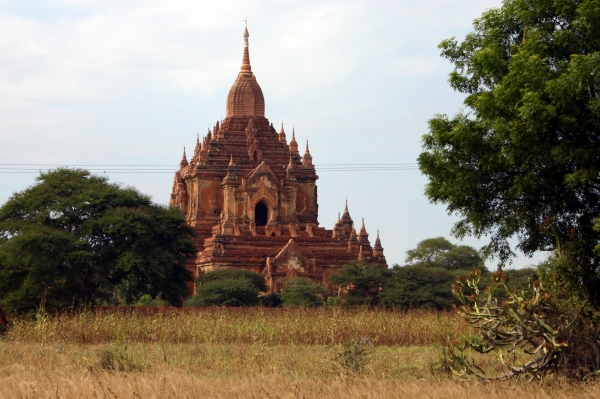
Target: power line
169, 169
173, 165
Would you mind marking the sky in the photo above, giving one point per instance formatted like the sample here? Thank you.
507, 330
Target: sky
113, 82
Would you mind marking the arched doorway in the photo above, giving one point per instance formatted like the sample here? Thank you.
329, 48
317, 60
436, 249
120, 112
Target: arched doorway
261, 214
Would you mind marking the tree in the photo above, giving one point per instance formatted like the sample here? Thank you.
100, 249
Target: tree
428, 252
228, 287
225, 292
440, 253
522, 159
256, 279
418, 287
362, 281
302, 292
74, 239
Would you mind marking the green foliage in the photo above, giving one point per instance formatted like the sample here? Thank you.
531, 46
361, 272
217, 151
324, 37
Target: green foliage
428, 252
302, 292
147, 300
418, 287
440, 253
362, 281
230, 287
256, 279
271, 300
73, 239
225, 292
524, 154
331, 301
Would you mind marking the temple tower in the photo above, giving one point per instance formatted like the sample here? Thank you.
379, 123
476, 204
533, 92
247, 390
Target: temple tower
252, 198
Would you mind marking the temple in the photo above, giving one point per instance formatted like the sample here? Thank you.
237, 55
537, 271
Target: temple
252, 199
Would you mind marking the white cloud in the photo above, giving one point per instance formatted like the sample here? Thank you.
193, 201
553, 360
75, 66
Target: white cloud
102, 81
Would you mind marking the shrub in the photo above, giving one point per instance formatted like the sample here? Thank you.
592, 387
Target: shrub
354, 355
255, 279
225, 292
557, 329
362, 282
271, 300
302, 292
147, 300
117, 359
418, 287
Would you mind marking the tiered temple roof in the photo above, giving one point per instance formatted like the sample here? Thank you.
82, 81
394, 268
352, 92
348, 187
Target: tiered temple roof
252, 198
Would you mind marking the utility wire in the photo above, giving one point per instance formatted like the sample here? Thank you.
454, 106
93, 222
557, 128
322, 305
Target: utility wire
157, 169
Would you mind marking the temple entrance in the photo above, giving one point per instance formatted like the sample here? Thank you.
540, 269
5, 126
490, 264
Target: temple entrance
261, 214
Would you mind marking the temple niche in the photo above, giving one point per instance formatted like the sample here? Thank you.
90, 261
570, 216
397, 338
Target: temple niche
252, 198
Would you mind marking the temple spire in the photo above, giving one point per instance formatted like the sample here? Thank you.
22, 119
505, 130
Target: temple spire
184, 161
282, 134
246, 59
307, 159
293, 144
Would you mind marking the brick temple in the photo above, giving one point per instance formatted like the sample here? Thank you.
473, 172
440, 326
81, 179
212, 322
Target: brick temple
252, 199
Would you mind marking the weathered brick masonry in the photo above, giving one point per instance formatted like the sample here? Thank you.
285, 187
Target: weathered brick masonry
252, 199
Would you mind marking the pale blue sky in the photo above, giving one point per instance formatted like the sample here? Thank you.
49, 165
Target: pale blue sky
132, 82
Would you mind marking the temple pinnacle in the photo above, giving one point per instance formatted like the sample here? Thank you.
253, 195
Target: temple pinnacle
184, 161
246, 58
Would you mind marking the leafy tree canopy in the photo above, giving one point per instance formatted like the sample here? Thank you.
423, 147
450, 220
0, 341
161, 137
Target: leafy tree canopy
74, 239
440, 253
256, 279
362, 280
225, 292
418, 287
302, 292
522, 159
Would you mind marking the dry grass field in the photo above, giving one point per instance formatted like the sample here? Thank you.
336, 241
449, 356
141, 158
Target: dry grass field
245, 353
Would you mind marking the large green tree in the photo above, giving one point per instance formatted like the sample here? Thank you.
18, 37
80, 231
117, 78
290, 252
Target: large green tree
361, 281
75, 239
440, 253
418, 287
523, 158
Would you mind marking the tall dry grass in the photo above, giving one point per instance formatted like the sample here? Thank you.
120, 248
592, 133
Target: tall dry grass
324, 326
240, 353
46, 385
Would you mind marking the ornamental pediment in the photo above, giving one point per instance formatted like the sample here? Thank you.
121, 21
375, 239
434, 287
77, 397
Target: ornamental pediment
291, 261
262, 175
